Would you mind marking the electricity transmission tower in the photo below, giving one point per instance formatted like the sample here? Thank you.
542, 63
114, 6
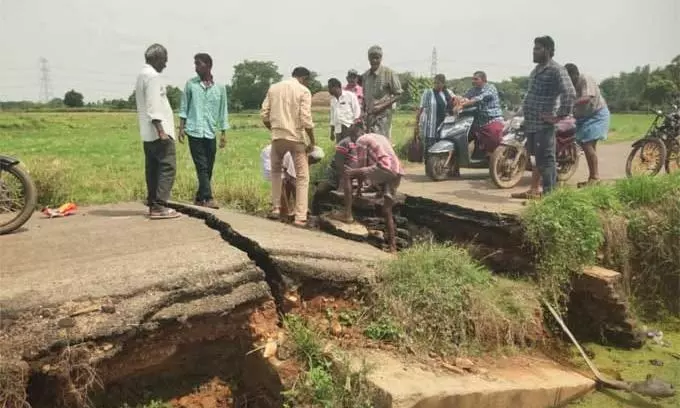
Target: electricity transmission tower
433, 67
45, 82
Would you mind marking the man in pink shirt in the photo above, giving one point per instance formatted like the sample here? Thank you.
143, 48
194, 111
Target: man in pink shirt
353, 85
376, 161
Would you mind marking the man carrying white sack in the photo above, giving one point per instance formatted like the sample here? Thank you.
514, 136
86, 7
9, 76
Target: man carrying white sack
288, 175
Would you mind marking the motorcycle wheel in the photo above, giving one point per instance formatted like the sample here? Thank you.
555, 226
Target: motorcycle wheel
434, 166
498, 166
566, 170
30, 200
673, 159
649, 145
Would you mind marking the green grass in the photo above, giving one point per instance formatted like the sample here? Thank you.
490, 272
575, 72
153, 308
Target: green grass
437, 298
633, 223
626, 127
325, 383
96, 157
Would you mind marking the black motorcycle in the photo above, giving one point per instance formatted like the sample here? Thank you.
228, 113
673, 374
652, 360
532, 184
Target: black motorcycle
18, 195
659, 147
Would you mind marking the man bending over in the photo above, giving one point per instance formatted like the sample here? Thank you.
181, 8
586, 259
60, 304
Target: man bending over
376, 161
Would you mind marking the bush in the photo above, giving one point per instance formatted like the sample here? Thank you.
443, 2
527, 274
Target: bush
634, 224
444, 300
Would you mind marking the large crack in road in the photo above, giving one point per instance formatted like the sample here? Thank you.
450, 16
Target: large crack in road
251, 248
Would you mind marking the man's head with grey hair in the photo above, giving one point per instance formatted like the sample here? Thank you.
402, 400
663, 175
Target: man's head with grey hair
375, 54
156, 56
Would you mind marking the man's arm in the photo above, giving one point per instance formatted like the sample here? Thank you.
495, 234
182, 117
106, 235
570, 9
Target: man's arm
184, 111
486, 93
265, 111
395, 84
332, 119
567, 92
154, 104
356, 108
588, 93
223, 116
306, 115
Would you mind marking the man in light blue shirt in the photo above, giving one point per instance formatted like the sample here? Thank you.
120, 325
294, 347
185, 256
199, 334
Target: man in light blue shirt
203, 113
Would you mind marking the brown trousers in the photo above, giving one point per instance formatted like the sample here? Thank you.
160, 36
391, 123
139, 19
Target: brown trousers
279, 149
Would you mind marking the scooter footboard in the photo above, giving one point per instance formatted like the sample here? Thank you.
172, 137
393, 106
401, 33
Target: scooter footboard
442, 146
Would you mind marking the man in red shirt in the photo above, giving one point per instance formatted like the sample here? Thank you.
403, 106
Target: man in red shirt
377, 162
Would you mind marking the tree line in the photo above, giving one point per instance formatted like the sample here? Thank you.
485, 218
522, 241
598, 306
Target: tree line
638, 90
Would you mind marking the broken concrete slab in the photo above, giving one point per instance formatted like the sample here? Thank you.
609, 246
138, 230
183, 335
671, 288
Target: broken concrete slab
405, 384
599, 311
159, 277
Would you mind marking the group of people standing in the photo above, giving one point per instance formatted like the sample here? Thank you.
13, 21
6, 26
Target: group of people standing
360, 124
555, 92
203, 115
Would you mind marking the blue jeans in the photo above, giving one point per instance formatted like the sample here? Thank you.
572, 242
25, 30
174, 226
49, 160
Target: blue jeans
541, 144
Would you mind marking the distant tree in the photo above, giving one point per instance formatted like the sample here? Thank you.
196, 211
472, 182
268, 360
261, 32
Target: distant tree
132, 100
73, 99
314, 84
56, 103
660, 90
174, 95
233, 104
251, 80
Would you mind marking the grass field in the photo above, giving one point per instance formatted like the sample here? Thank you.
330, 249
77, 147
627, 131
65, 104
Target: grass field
94, 158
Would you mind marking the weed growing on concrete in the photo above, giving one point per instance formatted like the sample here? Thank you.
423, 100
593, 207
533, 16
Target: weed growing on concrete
631, 225
437, 297
327, 382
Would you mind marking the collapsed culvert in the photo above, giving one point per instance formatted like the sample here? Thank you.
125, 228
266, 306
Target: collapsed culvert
168, 339
598, 309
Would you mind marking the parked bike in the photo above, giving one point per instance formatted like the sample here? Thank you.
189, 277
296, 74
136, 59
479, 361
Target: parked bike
659, 147
454, 147
511, 158
18, 195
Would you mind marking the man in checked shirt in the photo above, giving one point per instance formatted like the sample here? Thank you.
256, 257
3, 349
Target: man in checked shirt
548, 81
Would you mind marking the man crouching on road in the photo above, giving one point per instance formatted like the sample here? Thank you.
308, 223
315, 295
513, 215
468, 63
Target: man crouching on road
376, 161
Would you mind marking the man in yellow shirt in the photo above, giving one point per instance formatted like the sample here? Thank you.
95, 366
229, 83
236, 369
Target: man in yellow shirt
287, 113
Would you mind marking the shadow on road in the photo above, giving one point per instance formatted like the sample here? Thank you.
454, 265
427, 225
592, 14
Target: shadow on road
117, 213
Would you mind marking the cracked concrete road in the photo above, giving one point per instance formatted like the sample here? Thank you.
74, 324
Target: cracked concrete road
114, 250
476, 190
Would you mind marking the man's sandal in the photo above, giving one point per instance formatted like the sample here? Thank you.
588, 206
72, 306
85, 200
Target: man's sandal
163, 214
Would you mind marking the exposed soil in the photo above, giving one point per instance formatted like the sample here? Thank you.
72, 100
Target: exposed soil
214, 394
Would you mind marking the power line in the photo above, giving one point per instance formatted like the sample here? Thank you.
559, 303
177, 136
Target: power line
45, 82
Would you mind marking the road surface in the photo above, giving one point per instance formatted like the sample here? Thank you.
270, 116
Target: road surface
476, 190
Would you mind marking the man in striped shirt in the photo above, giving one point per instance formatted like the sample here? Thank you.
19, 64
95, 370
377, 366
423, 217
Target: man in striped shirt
378, 162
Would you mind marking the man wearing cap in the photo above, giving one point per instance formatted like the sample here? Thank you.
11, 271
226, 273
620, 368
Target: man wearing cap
381, 90
353, 85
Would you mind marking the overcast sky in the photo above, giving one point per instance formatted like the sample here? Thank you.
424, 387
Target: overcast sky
96, 47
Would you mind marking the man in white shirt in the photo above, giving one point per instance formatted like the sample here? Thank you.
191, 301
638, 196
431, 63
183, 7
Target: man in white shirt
345, 109
156, 127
